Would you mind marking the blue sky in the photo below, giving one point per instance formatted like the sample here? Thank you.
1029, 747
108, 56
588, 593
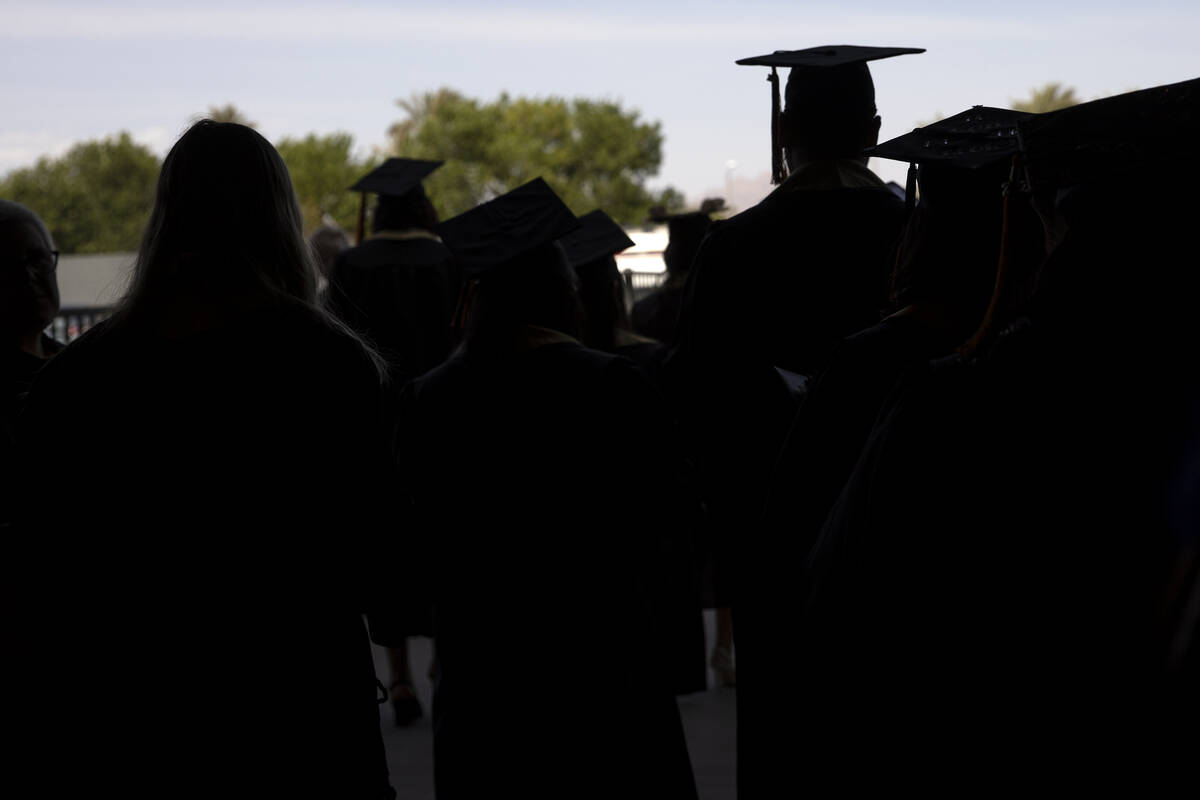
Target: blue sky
79, 70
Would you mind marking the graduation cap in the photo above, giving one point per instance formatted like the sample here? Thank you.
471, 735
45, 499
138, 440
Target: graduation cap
395, 177
975, 138
500, 231
831, 70
1131, 133
598, 236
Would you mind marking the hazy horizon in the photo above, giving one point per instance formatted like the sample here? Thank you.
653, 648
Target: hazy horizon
85, 71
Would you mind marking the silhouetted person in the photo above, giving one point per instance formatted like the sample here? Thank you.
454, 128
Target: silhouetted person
657, 314
398, 289
777, 287
591, 251
943, 282
514, 449
28, 303
998, 558
188, 550
944, 279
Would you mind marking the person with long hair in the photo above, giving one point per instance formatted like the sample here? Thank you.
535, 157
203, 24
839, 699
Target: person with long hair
397, 288
191, 550
28, 303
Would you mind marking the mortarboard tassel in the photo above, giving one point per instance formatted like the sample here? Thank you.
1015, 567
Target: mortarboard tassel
910, 188
777, 175
1002, 291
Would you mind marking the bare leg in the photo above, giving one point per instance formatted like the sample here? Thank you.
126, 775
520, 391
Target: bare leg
401, 672
405, 707
722, 652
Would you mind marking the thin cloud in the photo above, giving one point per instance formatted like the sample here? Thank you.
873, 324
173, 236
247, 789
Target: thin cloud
487, 24
22, 148
157, 138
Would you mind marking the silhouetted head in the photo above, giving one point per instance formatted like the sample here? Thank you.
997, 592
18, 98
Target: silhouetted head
537, 288
225, 228
591, 251
830, 110
518, 272
28, 284
828, 113
402, 203
951, 245
327, 242
685, 232
408, 211
602, 294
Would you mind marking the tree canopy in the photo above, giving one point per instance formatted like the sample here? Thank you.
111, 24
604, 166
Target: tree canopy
229, 113
322, 168
95, 198
594, 153
1051, 97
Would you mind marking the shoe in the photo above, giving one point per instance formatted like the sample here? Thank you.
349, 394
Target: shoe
406, 708
722, 663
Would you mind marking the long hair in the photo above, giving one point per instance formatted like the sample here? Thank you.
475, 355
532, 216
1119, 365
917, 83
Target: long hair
411, 210
540, 290
225, 215
225, 229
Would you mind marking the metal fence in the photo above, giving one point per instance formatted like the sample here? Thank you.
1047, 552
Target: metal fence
71, 323
641, 284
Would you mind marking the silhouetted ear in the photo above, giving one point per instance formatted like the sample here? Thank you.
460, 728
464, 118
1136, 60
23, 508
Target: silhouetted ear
872, 132
786, 132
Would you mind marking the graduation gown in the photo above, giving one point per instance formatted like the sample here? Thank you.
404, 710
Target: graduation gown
534, 540
994, 564
777, 286
827, 436
398, 289
193, 594
17, 370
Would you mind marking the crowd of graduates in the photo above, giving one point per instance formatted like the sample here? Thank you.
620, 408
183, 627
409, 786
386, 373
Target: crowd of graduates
934, 453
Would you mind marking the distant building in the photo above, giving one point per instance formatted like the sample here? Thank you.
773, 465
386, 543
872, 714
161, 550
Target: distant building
88, 286
646, 255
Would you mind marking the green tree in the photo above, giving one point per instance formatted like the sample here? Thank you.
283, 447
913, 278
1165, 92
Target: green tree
1051, 97
94, 199
322, 168
670, 200
594, 153
229, 113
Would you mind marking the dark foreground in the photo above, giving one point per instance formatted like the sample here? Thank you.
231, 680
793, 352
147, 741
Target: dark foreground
708, 720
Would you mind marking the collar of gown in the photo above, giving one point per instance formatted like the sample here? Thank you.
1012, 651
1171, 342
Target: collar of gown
820, 176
